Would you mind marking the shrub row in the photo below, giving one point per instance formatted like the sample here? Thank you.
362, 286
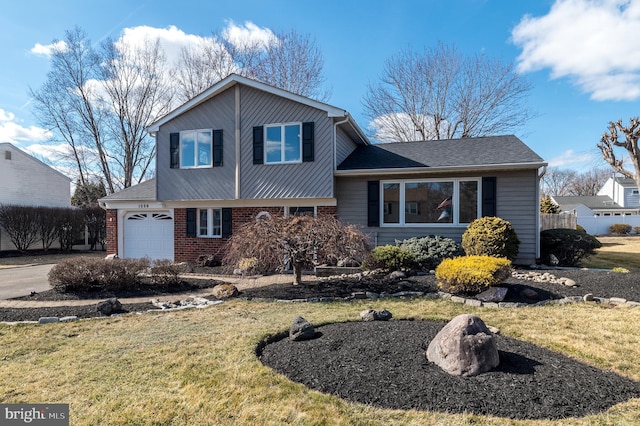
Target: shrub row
90, 274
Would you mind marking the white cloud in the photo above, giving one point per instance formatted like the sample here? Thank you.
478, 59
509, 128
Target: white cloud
12, 131
47, 49
594, 43
571, 158
248, 34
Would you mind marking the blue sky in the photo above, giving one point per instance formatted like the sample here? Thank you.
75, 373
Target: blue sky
582, 56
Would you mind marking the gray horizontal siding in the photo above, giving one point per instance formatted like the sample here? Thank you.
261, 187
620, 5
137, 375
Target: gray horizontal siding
304, 180
199, 184
516, 203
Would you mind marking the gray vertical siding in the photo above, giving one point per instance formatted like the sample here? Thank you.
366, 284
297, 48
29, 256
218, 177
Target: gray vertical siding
516, 203
199, 184
262, 181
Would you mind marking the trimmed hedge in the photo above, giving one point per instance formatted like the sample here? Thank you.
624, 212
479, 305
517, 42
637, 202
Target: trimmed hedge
90, 274
472, 274
390, 258
569, 246
491, 236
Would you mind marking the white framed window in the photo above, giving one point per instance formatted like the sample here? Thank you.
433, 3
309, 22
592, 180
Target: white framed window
430, 202
210, 223
283, 143
196, 149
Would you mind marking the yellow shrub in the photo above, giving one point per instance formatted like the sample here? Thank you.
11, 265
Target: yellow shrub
471, 274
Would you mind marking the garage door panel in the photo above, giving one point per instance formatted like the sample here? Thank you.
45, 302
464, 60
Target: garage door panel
148, 235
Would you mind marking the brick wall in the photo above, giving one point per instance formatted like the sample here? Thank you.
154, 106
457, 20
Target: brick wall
187, 249
112, 232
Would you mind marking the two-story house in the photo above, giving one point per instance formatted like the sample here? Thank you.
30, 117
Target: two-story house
27, 181
244, 149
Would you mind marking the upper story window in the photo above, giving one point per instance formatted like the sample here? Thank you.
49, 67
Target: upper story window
195, 149
283, 143
429, 202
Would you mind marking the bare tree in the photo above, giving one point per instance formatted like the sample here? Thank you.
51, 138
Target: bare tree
138, 94
290, 61
98, 103
557, 181
440, 94
304, 241
66, 105
590, 182
204, 64
611, 140
293, 62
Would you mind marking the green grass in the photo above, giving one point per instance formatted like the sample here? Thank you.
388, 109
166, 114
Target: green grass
616, 251
198, 367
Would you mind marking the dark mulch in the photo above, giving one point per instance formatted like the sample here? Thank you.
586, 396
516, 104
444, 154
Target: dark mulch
602, 284
384, 364
598, 283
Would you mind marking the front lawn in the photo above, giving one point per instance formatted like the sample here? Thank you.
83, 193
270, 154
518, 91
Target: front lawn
617, 251
199, 367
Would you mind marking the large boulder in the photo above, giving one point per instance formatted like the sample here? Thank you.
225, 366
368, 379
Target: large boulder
464, 347
301, 329
224, 291
109, 306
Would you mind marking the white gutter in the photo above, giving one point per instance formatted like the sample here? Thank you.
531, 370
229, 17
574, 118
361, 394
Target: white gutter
415, 170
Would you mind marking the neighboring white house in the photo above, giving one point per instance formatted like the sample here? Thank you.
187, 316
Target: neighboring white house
618, 201
25, 180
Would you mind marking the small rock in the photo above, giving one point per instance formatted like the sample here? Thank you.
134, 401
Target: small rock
109, 306
301, 329
48, 320
397, 275
588, 297
224, 291
373, 315
617, 301
368, 315
568, 282
111, 256
493, 294
68, 318
494, 330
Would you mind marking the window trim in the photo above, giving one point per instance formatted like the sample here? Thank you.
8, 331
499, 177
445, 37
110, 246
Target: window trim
210, 225
282, 126
195, 158
456, 202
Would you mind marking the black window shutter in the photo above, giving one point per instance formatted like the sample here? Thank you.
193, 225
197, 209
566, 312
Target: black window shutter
258, 145
191, 222
226, 223
488, 196
217, 148
307, 141
373, 203
174, 150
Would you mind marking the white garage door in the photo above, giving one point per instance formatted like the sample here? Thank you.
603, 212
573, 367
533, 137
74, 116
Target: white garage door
148, 234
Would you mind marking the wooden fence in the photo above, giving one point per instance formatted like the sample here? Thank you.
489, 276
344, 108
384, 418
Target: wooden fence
554, 221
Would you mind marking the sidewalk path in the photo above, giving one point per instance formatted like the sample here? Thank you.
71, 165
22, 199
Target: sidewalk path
240, 282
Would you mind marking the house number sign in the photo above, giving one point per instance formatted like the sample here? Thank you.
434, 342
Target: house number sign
143, 206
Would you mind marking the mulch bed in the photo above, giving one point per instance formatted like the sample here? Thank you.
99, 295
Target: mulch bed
384, 364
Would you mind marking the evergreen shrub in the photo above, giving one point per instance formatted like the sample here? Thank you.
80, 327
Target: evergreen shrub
471, 274
429, 251
491, 236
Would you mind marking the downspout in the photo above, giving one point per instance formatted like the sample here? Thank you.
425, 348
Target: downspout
335, 152
541, 172
237, 140
335, 141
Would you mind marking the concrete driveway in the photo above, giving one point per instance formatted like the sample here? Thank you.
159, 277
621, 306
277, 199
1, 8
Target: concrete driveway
19, 281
